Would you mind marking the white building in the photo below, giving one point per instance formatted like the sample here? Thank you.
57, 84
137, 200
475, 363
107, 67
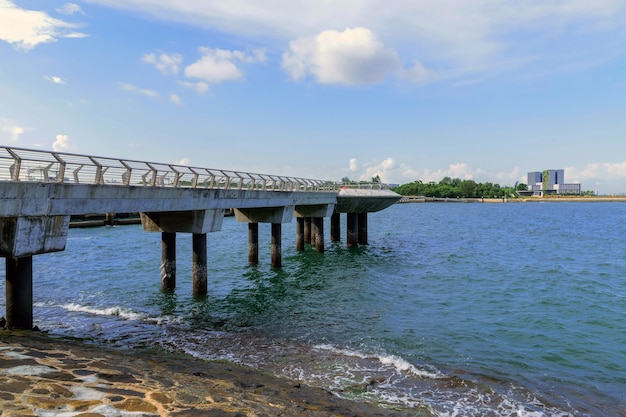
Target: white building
550, 181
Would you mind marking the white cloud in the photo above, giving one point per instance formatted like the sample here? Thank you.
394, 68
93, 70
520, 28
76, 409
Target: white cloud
70, 9
353, 165
25, 29
174, 98
218, 65
382, 170
351, 57
54, 79
456, 39
134, 89
9, 131
199, 87
418, 74
166, 64
183, 161
596, 170
61, 143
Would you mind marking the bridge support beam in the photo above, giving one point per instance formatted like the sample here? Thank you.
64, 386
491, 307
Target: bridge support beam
274, 215
276, 248
19, 293
20, 239
314, 222
168, 261
253, 243
199, 275
335, 227
197, 222
352, 233
362, 228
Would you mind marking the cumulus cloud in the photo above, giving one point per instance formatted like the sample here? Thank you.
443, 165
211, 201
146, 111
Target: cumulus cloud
134, 89
10, 131
460, 39
597, 170
174, 98
353, 165
351, 57
25, 29
61, 143
199, 87
219, 65
167, 64
183, 161
70, 9
54, 79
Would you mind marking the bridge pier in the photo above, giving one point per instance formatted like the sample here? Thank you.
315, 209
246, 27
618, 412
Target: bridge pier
19, 293
197, 222
362, 228
335, 227
199, 275
20, 239
307, 230
299, 234
276, 248
317, 233
168, 261
253, 243
274, 215
352, 232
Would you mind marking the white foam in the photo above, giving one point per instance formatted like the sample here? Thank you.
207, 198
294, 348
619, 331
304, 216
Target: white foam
397, 363
117, 311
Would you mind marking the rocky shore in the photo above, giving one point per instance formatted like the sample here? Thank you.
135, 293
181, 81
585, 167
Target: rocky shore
41, 375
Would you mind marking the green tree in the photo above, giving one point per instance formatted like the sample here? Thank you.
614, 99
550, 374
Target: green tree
468, 188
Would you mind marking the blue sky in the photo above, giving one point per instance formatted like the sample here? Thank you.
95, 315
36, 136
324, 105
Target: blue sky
405, 89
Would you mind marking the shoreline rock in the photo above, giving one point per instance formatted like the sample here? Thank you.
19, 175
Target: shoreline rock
41, 375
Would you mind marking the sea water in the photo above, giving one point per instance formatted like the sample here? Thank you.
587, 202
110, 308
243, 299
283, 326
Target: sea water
452, 309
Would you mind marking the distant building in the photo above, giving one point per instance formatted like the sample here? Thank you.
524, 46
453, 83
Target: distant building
549, 181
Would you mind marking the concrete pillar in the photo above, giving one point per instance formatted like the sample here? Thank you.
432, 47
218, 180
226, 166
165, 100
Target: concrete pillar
276, 249
299, 233
19, 293
109, 219
352, 234
362, 228
253, 243
307, 230
199, 264
317, 230
335, 227
168, 261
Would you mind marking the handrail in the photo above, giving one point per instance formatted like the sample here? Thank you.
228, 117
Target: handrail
22, 165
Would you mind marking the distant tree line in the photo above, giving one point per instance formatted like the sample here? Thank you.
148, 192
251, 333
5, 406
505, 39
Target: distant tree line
457, 188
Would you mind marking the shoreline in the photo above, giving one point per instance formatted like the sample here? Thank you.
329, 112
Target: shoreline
44, 375
554, 199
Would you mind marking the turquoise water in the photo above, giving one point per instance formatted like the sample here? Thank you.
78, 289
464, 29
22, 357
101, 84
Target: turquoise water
454, 309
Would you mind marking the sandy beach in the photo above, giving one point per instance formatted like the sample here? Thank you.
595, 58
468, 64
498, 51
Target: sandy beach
41, 375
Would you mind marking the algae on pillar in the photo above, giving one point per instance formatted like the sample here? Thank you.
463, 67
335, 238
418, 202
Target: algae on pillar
276, 249
253, 243
199, 273
168, 261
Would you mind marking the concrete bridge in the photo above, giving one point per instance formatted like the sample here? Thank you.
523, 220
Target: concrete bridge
39, 191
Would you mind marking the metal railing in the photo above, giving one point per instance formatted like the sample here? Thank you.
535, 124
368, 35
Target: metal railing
17, 164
